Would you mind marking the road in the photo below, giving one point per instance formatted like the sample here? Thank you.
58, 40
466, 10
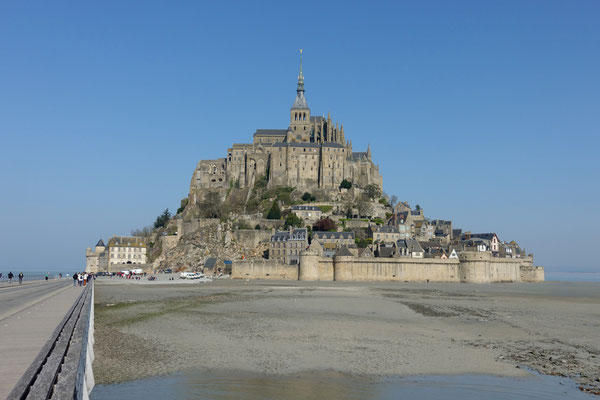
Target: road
15, 297
29, 313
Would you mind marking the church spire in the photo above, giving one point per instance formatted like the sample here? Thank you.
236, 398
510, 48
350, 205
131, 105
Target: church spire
300, 101
300, 77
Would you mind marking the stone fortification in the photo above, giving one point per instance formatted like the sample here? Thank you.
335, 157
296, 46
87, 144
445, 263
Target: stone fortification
265, 269
471, 268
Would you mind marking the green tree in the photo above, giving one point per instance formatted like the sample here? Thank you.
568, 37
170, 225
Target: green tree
257, 227
372, 191
274, 212
345, 184
293, 220
418, 207
308, 197
162, 219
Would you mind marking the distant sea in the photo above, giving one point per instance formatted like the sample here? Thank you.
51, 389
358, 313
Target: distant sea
34, 275
572, 276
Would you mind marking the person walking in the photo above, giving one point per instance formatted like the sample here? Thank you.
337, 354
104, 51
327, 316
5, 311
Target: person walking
75, 279
10, 276
46, 276
20, 278
80, 279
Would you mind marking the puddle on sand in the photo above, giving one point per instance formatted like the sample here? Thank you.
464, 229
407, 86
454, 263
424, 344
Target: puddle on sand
193, 384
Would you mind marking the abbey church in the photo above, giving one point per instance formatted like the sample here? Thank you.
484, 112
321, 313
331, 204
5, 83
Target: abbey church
311, 153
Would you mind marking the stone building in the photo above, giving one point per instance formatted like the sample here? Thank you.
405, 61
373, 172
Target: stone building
285, 246
126, 250
97, 259
384, 234
310, 214
331, 242
311, 153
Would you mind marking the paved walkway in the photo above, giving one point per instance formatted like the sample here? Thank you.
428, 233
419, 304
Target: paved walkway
28, 316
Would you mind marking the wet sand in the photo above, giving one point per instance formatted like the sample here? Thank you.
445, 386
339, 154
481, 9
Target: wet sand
365, 329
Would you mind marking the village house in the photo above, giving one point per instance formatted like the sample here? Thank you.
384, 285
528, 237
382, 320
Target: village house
424, 231
310, 214
409, 248
285, 246
333, 241
126, 250
384, 234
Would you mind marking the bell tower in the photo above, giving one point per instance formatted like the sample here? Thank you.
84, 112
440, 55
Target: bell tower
300, 113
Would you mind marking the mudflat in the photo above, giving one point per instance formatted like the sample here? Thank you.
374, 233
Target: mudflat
365, 328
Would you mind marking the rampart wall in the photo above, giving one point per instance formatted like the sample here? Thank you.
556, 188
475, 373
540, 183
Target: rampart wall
263, 269
391, 269
475, 267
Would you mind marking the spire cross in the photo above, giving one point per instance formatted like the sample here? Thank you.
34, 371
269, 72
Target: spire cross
300, 62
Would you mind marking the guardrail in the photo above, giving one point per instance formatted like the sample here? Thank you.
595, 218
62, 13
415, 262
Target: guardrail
63, 368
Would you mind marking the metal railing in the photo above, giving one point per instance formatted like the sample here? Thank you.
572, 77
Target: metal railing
63, 368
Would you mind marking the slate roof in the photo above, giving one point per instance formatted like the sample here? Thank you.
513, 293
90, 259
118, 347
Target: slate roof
343, 252
124, 241
486, 236
386, 229
413, 245
100, 243
210, 262
300, 102
284, 236
270, 132
317, 118
385, 252
356, 156
401, 244
307, 208
333, 235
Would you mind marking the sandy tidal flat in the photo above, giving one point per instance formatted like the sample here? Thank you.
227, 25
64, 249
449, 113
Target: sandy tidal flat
384, 329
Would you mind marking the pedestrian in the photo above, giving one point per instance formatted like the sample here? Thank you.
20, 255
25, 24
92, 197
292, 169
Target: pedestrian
80, 279
75, 279
85, 278
47, 275
60, 275
10, 276
20, 278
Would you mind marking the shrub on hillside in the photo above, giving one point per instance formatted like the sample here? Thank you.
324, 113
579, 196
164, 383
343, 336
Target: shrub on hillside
274, 212
324, 224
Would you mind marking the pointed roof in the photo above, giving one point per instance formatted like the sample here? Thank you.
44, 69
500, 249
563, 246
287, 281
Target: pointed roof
343, 252
100, 243
300, 102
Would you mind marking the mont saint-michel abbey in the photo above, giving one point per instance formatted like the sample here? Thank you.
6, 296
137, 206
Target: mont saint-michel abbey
312, 152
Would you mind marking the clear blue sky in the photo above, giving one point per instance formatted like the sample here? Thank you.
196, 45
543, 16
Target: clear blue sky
483, 112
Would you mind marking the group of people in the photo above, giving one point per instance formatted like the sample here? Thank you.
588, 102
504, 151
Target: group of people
82, 278
11, 276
